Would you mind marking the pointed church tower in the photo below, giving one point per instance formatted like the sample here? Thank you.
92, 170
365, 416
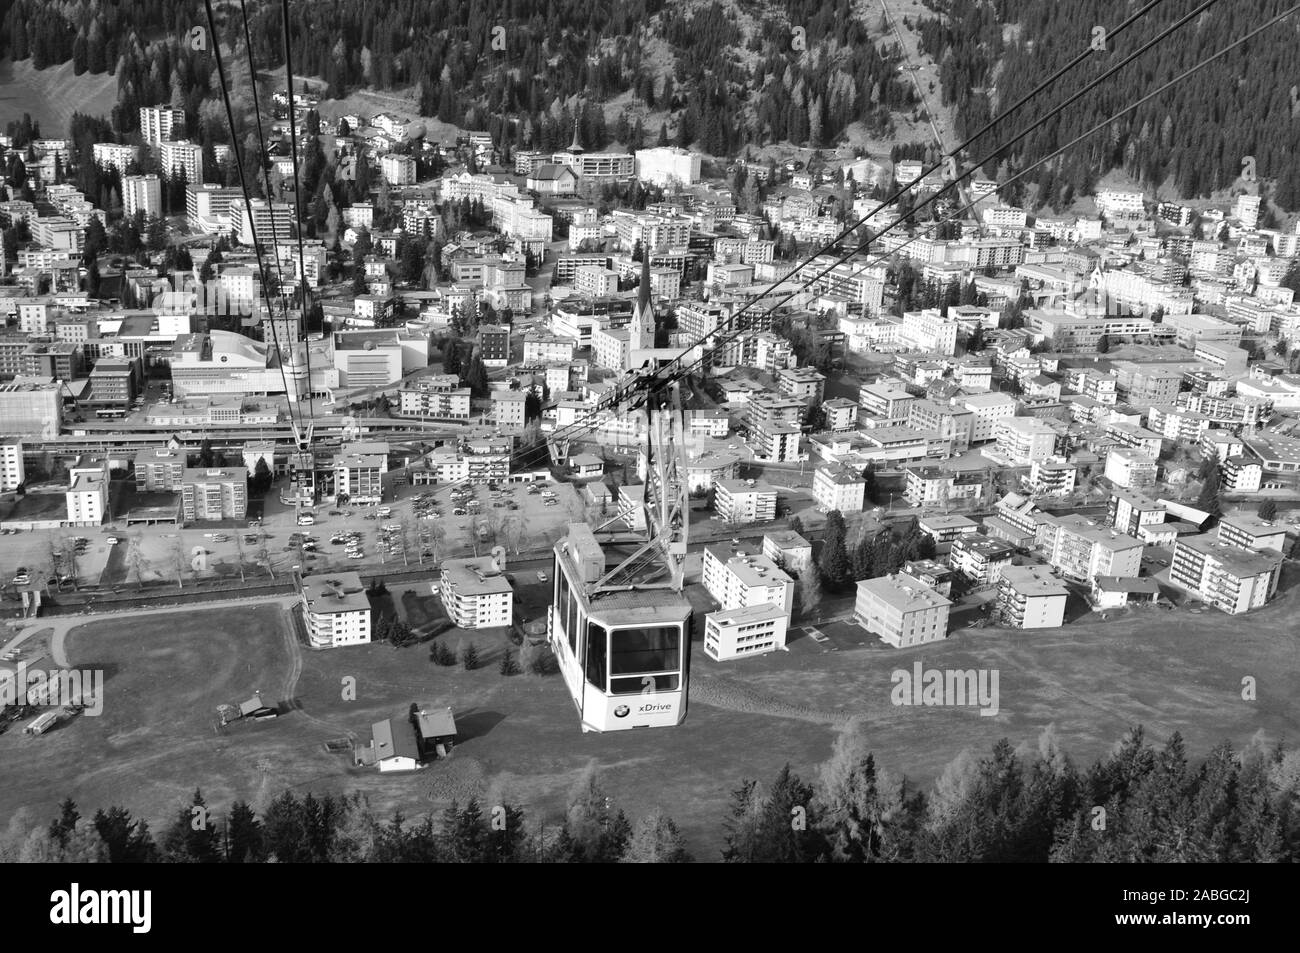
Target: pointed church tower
642, 327
575, 147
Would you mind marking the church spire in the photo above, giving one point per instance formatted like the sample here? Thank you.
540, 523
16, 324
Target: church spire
575, 146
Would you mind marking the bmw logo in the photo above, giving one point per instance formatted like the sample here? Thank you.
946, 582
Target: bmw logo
621, 711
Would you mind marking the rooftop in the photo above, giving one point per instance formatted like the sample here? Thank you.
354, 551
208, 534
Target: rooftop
903, 593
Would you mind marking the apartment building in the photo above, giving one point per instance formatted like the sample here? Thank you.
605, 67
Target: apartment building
87, 497
1022, 440
272, 222
744, 501
841, 414
805, 384
475, 593
141, 193
1128, 511
543, 348
931, 486
1082, 549
494, 344
665, 166
12, 470
159, 124
788, 550
1030, 597
1052, 477
928, 330
359, 475
1231, 579
1250, 532
988, 410
947, 419
335, 610
840, 487
214, 493
180, 157
778, 443
745, 632
1130, 468
901, 610
738, 578
886, 400
159, 470
981, 559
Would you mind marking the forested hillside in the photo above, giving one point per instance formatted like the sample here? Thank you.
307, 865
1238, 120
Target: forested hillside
1192, 139
718, 76
723, 76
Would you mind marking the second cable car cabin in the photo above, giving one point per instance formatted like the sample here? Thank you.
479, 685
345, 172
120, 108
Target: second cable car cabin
623, 647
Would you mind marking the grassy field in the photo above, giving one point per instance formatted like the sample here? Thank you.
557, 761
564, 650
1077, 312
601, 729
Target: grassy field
156, 741
52, 95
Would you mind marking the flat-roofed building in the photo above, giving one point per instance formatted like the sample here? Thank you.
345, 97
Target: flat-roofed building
931, 486
740, 633
214, 493
788, 550
901, 610
508, 408
1082, 549
1030, 597
159, 470
12, 470
439, 397
981, 559
359, 475
1130, 468
475, 593
335, 610
1231, 579
738, 578
838, 486
1128, 511
805, 384
988, 409
87, 498
744, 501
1022, 440
1250, 532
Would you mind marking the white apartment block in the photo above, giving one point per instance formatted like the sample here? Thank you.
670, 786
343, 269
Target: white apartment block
397, 169
928, 330
839, 487
1130, 468
901, 610
272, 223
475, 593
335, 610
740, 633
1084, 549
12, 470
738, 579
87, 498
1030, 597
744, 501
1231, 579
113, 155
1022, 440
666, 166
141, 193
988, 409
183, 156
159, 124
